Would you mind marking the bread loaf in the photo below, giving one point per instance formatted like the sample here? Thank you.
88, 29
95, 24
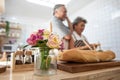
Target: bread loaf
85, 56
105, 55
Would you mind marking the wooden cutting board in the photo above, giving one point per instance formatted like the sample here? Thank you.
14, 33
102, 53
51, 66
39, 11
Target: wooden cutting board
73, 67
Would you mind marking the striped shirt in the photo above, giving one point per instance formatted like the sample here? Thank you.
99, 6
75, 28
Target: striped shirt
78, 40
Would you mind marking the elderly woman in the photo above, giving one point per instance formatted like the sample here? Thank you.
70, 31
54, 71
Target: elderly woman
78, 40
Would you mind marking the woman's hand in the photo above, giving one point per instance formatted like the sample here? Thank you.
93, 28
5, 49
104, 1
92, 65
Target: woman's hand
95, 45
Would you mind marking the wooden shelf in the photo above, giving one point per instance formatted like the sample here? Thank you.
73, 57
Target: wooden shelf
16, 28
13, 37
2, 25
12, 29
2, 34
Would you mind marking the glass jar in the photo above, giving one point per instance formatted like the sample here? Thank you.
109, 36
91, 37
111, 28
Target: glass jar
45, 62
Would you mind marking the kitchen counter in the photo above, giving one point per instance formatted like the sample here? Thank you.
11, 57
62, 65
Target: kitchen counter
103, 74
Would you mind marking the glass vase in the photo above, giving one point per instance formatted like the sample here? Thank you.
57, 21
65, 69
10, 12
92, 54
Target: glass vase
45, 62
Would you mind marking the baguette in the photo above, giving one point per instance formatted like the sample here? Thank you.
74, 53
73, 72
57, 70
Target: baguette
106, 55
85, 56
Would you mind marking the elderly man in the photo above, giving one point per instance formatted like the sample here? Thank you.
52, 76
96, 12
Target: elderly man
59, 15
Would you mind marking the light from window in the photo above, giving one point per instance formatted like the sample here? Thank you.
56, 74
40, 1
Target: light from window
49, 3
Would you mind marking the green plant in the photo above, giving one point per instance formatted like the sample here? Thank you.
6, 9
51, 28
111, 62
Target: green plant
7, 28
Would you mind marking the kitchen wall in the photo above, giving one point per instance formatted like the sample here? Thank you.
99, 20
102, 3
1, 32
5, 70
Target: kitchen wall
103, 25
103, 18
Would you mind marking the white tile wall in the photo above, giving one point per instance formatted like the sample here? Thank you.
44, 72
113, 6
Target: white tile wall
103, 25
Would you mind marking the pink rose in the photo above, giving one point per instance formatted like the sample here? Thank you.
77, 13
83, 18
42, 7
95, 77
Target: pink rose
31, 42
40, 32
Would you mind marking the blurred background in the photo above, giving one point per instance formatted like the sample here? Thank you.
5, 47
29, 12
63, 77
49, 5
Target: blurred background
103, 18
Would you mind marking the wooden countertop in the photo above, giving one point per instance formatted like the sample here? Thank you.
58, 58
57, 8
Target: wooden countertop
102, 74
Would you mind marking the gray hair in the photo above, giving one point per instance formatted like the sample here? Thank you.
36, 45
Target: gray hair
56, 7
78, 20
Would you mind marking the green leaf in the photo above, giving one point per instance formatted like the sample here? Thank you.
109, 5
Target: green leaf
25, 46
7, 28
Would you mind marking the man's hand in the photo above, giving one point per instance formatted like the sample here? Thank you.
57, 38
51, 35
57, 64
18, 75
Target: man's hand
67, 37
69, 25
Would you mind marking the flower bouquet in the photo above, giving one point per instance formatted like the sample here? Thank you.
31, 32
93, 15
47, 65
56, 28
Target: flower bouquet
45, 60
